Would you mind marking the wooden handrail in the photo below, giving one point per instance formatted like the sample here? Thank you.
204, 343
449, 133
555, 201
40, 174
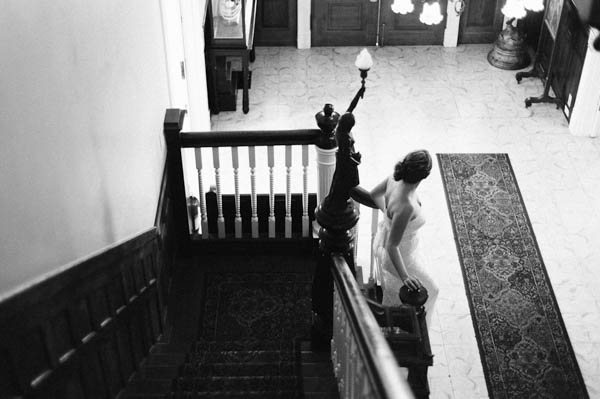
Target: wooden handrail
250, 138
380, 363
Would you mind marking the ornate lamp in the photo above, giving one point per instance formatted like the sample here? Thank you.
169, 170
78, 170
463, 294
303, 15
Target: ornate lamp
510, 50
363, 62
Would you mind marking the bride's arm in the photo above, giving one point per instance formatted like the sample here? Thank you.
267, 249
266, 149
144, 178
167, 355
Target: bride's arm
368, 198
400, 220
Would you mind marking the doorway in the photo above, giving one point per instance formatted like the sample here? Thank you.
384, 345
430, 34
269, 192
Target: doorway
356, 23
481, 21
183, 25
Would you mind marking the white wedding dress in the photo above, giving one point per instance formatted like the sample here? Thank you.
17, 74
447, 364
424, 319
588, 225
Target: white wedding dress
385, 272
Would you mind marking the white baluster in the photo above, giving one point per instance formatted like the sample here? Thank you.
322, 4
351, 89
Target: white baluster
288, 191
305, 218
374, 222
236, 182
202, 199
325, 170
254, 217
271, 163
220, 218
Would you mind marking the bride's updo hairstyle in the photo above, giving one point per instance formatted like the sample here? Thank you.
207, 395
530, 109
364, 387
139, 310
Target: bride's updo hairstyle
415, 166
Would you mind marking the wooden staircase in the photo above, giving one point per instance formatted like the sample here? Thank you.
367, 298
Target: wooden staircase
187, 365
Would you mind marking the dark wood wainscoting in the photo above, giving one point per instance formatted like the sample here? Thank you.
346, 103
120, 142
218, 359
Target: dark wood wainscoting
481, 21
82, 332
276, 23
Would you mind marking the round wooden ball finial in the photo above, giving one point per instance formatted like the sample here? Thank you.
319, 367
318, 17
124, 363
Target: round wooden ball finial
412, 297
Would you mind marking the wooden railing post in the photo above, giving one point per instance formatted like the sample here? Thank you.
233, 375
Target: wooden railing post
326, 147
171, 128
336, 216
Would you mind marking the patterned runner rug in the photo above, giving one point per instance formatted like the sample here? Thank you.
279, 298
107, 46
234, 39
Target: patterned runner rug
523, 343
257, 309
247, 340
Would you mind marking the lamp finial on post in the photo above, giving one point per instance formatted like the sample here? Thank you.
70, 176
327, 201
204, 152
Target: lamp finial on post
363, 62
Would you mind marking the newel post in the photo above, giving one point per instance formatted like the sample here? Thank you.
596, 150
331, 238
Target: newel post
326, 147
171, 128
336, 216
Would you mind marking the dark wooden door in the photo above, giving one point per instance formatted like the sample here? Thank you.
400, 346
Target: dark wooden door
343, 22
481, 21
276, 23
398, 29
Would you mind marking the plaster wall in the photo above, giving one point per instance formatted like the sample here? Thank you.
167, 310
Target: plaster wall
83, 90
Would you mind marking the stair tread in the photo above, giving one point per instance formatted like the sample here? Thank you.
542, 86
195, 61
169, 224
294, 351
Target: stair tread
240, 377
287, 394
319, 384
259, 356
321, 395
165, 359
238, 369
157, 372
148, 386
170, 348
317, 369
241, 346
235, 383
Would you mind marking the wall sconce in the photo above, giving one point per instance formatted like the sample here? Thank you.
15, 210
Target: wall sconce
510, 51
431, 14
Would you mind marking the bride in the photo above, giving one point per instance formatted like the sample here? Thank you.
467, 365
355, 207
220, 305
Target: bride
396, 246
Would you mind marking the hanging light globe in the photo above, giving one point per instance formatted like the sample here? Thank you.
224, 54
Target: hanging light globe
403, 6
432, 14
534, 5
514, 9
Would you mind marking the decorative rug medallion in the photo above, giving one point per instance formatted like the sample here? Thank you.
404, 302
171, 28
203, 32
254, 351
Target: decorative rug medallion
523, 343
268, 308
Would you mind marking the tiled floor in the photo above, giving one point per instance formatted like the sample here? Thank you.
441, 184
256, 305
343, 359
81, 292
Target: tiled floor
452, 100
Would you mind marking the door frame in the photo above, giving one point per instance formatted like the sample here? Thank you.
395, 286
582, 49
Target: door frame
183, 33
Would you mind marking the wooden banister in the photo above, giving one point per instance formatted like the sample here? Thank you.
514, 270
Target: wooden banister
250, 138
172, 128
373, 351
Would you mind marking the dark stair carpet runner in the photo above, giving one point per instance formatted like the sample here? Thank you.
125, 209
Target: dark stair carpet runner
249, 341
222, 369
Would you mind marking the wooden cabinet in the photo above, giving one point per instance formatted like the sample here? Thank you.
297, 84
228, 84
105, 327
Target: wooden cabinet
229, 38
570, 48
560, 55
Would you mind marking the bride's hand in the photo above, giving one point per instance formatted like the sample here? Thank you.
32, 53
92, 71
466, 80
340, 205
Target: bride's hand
412, 283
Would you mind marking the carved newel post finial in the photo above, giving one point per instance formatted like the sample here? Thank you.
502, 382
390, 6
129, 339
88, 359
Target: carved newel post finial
327, 120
